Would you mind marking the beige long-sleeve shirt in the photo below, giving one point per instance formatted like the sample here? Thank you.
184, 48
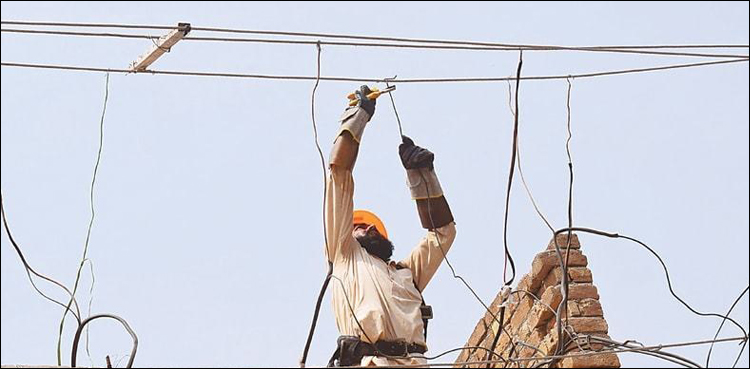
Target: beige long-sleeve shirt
384, 298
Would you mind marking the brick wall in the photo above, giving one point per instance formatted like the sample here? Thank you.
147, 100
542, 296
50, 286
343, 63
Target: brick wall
529, 321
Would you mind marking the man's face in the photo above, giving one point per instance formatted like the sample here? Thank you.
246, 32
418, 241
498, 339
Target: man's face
364, 229
375, 244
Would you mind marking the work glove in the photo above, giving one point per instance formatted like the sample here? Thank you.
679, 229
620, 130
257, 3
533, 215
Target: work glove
413, 156
355, 119
363, 101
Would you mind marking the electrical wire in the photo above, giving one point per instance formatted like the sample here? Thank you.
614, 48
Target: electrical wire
572, 355
514, 150
520, 169
370, 44
661, 261
30, 270
122, 321
708, 356
564, 271
668, 356
91, 220
639, 49
367, 80
437, 235
520, 47
329, 273
91, 301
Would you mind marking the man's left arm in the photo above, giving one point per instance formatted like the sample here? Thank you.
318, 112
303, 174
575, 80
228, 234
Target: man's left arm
434, 213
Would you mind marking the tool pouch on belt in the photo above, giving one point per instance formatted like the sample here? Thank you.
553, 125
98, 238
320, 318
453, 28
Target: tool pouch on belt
349, 352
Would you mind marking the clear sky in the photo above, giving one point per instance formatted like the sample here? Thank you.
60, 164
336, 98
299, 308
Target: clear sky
208, 235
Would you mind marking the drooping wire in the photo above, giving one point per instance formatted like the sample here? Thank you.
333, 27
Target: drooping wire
329, 273
364, 79
508, 258
30, 270
91, 301
520, 168
668, 356
393, 103
122, 321
437, 235
708, 356
91, 220
564, 271
663, 265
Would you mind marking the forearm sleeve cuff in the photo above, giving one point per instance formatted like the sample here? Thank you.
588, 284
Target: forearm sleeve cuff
423, 184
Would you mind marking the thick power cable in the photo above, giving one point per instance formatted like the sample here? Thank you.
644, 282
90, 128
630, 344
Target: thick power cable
329, 273
514, 147
370, 44
616, 49
122, 321
367, 80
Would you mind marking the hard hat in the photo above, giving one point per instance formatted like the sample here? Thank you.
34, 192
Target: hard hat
367, 217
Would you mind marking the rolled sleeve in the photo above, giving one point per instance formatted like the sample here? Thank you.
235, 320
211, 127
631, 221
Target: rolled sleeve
338, 213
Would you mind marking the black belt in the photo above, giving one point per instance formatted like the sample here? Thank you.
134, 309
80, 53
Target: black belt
350, 350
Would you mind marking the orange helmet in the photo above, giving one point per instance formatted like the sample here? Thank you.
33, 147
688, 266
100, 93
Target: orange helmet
367, 217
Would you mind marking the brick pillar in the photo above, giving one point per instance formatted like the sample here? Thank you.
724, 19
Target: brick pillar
530, 328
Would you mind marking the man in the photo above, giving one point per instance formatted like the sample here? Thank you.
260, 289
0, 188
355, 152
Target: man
378, 302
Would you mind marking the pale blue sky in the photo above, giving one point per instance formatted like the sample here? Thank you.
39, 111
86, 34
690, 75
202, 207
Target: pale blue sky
208, 235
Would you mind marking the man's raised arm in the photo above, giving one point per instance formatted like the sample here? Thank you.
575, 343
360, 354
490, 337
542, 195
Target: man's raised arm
340, 185
433, 209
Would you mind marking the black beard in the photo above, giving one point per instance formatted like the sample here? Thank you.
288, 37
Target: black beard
377, 245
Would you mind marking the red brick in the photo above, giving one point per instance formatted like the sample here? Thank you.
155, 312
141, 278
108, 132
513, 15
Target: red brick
587, 325
580, 291
552, 297
562, 241
524, 283
545, 261
575, 275
595, 361
585, 307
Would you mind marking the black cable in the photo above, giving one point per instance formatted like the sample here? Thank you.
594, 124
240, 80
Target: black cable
393, 103
565, 279
508, 256
327, 279
708, 356
739, 355
314, 322
437, 237
489, 352
30, 270
664, 266
497, 336
125, 324
363, 79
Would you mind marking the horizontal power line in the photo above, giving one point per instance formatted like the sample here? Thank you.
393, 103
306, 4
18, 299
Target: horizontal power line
378, 38
370, 44
376, 80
